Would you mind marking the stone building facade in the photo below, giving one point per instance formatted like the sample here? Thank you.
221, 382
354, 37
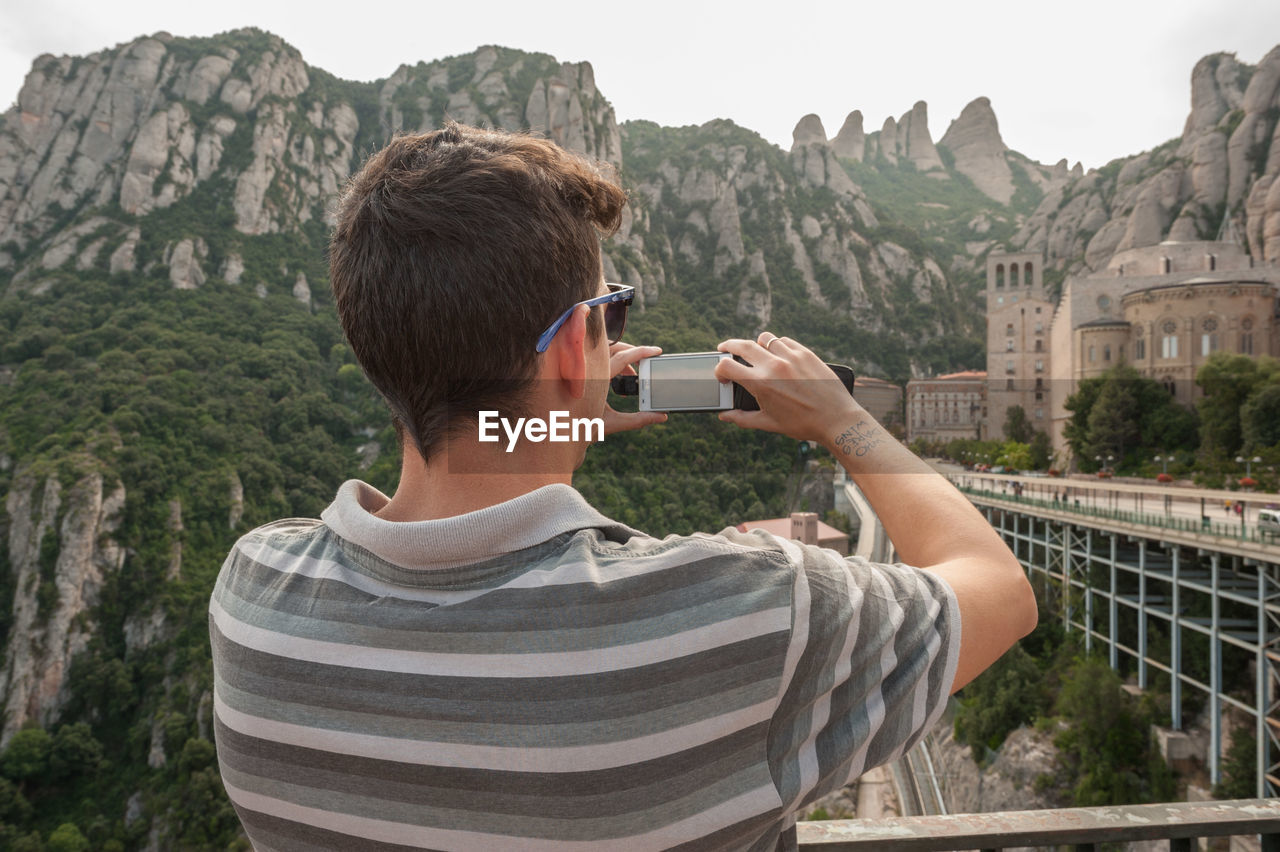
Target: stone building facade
882, 399
1164, 309
944, 408
1018, 316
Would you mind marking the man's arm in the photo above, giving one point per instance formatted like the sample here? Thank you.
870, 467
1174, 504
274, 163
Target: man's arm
931, 524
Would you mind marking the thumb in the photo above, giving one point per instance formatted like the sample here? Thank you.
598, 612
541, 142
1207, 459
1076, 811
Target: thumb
748, 419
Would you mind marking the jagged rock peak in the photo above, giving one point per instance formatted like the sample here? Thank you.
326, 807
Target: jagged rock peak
914, 141
1215, 91
809, 131
976, 126
851, 141
974, 141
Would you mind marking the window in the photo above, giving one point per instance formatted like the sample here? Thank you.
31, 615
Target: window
1039, 413
1169, 346
1092, 355
1037, 310
1106, 352
1139, 349
1208, 343
1008, 329
1040, 366
1008, 345
1008, 365
1246, 343
1015, 297
999, 300
1039, 345
1039, 324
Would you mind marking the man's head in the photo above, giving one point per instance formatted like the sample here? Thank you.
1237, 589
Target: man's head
452, 252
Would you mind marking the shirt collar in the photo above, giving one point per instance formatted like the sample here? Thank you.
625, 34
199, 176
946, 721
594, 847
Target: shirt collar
525, 521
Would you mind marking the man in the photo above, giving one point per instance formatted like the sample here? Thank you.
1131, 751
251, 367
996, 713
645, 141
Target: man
484, 661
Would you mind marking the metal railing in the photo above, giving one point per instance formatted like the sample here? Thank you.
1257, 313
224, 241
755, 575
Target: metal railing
1181, 823
1234, 531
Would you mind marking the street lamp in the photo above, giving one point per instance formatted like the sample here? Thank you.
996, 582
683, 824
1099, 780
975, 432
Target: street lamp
1164, 461
1248, 464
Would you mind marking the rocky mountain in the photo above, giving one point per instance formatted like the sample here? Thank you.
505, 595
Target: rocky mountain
1218, 178
171, 371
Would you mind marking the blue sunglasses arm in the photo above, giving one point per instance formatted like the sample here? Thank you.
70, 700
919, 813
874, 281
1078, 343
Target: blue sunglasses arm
544, 339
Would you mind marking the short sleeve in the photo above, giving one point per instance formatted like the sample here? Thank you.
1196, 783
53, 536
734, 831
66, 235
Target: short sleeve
873, 654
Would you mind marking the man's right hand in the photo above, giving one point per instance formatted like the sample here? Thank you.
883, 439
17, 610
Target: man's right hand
799, 396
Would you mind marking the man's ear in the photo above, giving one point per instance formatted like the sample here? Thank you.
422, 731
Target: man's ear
571, 343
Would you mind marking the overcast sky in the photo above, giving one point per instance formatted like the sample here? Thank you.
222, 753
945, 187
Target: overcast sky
1088, 80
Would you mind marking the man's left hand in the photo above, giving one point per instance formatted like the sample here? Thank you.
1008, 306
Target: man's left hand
622, 361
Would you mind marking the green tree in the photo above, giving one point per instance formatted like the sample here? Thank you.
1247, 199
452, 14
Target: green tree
1041, 451
1016, 425
67, 838
1240, 768
1114, 422
1260, 418
74, 750
1015, 455
1003, 698
1107, 747
27, 755
1080, 404
1120, 413
1228, 382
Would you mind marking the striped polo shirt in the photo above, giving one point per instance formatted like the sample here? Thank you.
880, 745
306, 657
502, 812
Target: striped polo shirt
537, 676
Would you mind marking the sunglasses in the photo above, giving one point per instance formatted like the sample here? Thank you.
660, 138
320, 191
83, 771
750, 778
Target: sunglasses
615, 304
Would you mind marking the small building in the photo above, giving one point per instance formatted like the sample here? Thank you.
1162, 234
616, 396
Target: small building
944, 408
803, 527
881, 399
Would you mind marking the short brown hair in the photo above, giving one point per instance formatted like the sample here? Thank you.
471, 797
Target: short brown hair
453, 250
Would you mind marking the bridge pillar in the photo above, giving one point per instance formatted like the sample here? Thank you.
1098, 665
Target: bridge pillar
1112, 612
1215, 676
1088, 590
1175, 642
1142, 613
1263, 684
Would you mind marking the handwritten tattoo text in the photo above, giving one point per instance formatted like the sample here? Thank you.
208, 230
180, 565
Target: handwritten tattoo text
860, 439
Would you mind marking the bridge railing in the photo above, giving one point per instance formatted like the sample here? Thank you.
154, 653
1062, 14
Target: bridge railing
1205, 526
1181, 823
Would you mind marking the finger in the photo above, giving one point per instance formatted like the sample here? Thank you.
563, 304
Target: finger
729, 370
624, 359
748, 349
749, 419
618, 421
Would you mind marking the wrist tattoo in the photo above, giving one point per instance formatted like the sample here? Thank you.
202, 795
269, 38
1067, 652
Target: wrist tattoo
860, 439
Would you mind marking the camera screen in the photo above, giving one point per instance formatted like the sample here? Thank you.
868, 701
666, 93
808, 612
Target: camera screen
677, 382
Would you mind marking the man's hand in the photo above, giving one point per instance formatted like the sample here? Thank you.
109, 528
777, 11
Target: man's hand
622, 360
799, 396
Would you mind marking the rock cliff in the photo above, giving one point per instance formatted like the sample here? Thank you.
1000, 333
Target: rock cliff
1216, 179
60, 550
974, 141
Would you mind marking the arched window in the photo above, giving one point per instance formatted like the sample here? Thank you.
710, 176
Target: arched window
1246, 336
1000, 275
1013, 275
1026, 274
